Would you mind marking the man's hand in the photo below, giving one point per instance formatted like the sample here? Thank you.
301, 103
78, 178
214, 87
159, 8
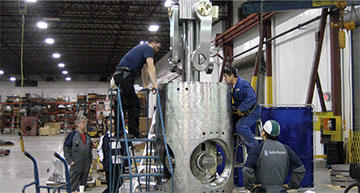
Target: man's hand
255, 186
72, 163
286, 186
154, 88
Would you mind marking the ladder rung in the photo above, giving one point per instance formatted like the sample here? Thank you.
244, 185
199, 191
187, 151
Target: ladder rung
134, 140
149, 192
139, 157
140, 175
149, 183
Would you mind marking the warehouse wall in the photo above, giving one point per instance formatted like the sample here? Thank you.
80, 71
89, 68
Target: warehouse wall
292, 61
54, 89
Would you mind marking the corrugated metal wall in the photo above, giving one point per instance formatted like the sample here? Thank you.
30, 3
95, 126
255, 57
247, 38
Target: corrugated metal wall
356, 77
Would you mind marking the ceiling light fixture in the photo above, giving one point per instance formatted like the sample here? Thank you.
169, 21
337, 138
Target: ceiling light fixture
61, 65
12, 79
68, 78
56, 55
1, 72
42, 25
168, 3
65, 72
49, 40
143, 42
154, 28
31, 1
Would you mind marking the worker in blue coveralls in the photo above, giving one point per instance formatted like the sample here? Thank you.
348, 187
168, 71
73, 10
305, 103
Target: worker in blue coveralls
138, 61
244, 98
270, 162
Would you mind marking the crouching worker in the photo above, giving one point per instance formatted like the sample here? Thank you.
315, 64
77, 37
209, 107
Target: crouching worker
105, 148
268, 163
78, 153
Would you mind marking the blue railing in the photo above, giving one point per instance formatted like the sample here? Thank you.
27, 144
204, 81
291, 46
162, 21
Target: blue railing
120, 114
36, 182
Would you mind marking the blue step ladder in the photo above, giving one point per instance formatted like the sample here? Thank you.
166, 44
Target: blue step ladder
150, 157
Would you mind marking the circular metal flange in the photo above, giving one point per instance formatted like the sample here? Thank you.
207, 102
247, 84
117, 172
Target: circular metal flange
205, 159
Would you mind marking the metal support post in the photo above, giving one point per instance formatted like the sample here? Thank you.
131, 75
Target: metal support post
335, 65
319, 42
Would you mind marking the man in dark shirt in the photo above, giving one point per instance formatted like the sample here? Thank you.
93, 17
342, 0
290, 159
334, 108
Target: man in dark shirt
269, 163
138, 61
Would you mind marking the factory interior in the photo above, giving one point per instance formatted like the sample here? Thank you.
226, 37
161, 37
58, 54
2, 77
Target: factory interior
179, 96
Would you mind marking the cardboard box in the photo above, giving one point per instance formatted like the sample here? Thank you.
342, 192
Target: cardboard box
54, 127
142, 125
44, 131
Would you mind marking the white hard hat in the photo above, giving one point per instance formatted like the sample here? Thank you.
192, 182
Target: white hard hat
272, 128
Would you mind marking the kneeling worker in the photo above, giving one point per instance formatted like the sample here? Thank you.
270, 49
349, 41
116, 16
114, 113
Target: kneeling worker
267, 165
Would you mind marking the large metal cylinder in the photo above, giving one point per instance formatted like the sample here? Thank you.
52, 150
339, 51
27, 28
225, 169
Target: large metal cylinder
198, 127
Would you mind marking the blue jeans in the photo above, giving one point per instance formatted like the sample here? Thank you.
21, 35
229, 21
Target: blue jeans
243, 127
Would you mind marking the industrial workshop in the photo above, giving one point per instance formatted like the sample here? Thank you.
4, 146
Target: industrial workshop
180, 96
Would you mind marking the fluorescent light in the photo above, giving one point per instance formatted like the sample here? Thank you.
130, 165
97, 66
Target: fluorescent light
49, 40
61, 65
42, 25
154, 28
68, 78
31, 1
1, 72
65, 72
12, 79
56, 55
168, 3
143, 42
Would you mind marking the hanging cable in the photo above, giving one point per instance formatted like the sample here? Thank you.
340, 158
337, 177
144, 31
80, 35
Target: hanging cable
22, 79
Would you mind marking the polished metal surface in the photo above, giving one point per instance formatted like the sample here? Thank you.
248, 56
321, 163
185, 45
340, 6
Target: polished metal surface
185, 9
197, 118
190, 38
201, 56
175, 38
189, 49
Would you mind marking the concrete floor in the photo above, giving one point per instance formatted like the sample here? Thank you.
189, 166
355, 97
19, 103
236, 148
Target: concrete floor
17, 170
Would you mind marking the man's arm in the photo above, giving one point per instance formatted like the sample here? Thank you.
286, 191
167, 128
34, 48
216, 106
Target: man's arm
145, 76
297, 169
151, 71
67, 148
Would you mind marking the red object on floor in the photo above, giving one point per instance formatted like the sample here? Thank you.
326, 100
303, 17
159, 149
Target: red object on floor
4, 152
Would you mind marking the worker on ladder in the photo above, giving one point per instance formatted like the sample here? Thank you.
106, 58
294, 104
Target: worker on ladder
138, 61
244, 98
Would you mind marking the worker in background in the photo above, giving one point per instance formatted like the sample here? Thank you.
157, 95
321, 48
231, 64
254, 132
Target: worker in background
116, 149
78, 153
138, 61
244, 99
268, 164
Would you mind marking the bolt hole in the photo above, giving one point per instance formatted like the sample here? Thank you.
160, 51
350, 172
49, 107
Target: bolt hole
186, 88
223, 133
204, 133
178, 89
210, 132
217, 132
